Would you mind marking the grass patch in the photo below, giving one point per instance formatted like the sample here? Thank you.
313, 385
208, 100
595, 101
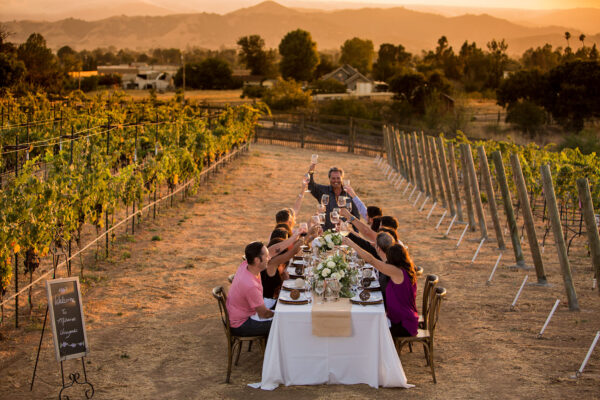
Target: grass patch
125, 355
156, 238
119, 314
130, 238
90, 278
33, 327
126, 255
203, 200
189, 266
226, 192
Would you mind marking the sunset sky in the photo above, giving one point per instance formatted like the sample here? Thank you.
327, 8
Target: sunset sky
529, 4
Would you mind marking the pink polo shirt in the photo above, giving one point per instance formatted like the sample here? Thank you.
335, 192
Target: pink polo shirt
245, 294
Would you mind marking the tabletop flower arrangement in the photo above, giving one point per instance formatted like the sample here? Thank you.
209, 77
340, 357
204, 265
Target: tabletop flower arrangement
327, 241
336, 267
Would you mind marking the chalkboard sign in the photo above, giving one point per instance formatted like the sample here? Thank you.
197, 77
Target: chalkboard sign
66, 315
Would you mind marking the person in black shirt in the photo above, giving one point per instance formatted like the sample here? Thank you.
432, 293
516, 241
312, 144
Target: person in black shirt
334, 190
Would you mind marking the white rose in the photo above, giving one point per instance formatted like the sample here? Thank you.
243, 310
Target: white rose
328, 238
342, 274
320, 266
330, 264
325, 272
336, 276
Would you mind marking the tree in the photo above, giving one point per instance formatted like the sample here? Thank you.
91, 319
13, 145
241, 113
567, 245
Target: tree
543, 58
567, 37
254, 56
573, 93
299, 56
359, 54
582, 39
12, 70
287, 94
69, 59
410, 88
212, 73
498, 61
526, 116
390, 59
326, 65
42, 68
528, 85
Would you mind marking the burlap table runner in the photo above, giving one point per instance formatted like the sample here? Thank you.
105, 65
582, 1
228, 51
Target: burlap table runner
332, 318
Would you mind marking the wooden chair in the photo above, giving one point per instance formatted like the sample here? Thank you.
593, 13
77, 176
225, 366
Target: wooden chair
233, 342
419, 271
425, 336
431, 282
230, 278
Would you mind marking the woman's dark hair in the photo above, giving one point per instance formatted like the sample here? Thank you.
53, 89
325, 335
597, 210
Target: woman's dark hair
275, 240
252, 251
398, 256
279, 233
376, 224
390, 231
390, 222
282, 216
374, 211
285, 227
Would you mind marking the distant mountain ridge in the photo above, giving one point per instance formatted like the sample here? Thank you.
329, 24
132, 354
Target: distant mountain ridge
414, 29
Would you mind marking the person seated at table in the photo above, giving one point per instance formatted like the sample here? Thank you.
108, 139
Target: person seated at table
284, 227
279, 233
334, 190
285, 216
245, 297
273, 276
365, 230
401, 290
372, 212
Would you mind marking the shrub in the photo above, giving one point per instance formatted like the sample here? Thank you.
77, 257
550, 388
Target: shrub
526, 116
286, 95
328, 86
253, 92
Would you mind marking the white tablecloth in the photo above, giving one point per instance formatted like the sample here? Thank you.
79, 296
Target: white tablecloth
295, 357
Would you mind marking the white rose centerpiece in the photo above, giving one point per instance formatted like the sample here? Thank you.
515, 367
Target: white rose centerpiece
327, 241
337, 268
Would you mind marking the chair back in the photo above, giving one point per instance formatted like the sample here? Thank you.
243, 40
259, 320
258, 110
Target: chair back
434, 310
431, 282
219, 294
230, 278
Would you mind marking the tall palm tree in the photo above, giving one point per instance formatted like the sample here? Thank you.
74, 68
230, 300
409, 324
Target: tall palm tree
568, 36
582, 38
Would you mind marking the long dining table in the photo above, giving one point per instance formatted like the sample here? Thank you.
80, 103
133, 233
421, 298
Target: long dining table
294, 356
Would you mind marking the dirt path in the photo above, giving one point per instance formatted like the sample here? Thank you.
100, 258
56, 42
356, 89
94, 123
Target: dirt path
153, 328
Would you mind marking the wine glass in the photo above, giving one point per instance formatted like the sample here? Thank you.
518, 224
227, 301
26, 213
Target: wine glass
344, 231
321, 208
321, 218
335, 217
315, 219
349, 205
325, 199
320, 288
303, 228
346, 182
341, 201
306, 181
314, 159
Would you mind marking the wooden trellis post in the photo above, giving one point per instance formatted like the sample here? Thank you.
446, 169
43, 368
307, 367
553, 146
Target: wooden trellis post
454, 177
590, 224
438, 170
445, 175
467, 187
559, 239
409, 159
430, 168
400, 153
508, 209
424, 163
406, 171
475, 190
487, 182
534, 246
416, 163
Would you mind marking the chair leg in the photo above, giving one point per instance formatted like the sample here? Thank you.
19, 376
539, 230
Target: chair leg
426, 350
229, 360
410, 347
239, 350
249, 346
431, 362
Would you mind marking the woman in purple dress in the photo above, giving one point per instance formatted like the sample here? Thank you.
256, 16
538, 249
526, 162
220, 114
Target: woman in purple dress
401, 290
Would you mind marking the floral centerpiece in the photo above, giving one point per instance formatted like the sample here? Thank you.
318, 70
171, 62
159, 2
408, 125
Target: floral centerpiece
327, 241
336, 267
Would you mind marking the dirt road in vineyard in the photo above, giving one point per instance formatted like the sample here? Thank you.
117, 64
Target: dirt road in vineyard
154, 333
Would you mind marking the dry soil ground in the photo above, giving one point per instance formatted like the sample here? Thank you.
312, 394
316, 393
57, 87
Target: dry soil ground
153, 325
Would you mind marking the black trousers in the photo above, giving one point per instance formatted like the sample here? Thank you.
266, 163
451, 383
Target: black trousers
252, 328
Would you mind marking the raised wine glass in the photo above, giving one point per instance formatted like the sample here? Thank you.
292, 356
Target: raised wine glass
341, 201
346, 182
349, 205
325, 199
321, 208
306, 181
314, 159
334, 217
321, 218
344, 231
303, 227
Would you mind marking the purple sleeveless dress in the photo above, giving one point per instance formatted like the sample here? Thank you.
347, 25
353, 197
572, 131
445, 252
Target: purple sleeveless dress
401, 304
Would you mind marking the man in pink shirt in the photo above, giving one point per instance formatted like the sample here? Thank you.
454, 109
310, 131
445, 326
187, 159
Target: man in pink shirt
245, 296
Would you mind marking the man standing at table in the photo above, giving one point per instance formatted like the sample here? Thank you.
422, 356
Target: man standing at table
334, 190
245, 297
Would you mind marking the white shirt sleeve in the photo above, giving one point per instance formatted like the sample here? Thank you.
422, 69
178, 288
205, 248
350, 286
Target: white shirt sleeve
360, 206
